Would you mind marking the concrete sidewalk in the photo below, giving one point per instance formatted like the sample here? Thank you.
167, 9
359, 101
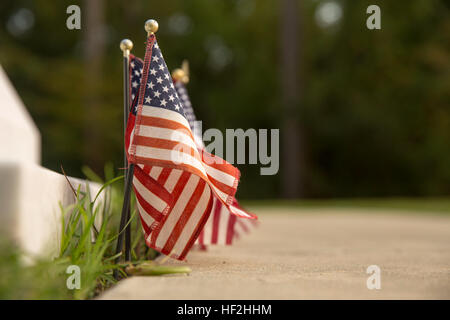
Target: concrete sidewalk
315, 254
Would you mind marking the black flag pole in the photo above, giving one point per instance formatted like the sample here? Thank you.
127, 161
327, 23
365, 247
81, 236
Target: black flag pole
125, 212
151, 26
125, 45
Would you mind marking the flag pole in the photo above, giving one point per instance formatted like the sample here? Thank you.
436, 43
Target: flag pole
151, 26
126, 45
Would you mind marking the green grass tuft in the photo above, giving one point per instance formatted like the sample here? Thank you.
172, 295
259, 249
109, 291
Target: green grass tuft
89, 230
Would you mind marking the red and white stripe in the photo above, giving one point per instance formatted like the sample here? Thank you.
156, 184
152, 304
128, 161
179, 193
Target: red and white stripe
163, 138
223, 228
220, 227
172, 212
174, 205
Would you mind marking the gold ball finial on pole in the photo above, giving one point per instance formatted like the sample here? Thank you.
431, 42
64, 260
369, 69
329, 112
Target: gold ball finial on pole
178, 75
126, 45
182, 74
151, 26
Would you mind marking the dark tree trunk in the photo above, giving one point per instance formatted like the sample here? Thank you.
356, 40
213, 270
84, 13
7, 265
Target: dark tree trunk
291, 158
92, 25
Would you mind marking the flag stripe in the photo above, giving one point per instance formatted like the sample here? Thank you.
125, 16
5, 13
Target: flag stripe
165, 173
230, 229
158, 203
226, 228
155, 172
202, 218
167, 134
164, 159
164, 123
152, 186
216, 163
150, 111
144, 224
216, 221
185, 216
172, 180
224, 217
146, 217
184, 189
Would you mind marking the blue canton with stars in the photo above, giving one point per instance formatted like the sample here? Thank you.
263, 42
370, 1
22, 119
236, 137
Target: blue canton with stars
189, 113
136, 66
159, 90
186, 102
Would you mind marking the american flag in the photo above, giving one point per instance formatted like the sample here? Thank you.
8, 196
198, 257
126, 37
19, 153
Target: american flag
174, 183
222, 227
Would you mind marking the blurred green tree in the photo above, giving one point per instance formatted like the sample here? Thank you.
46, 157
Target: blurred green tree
375, 104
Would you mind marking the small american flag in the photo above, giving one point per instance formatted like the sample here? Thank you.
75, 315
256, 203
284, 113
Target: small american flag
174, 183
222, 227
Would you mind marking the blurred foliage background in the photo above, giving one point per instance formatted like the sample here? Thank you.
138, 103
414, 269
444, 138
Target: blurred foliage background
372, 106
